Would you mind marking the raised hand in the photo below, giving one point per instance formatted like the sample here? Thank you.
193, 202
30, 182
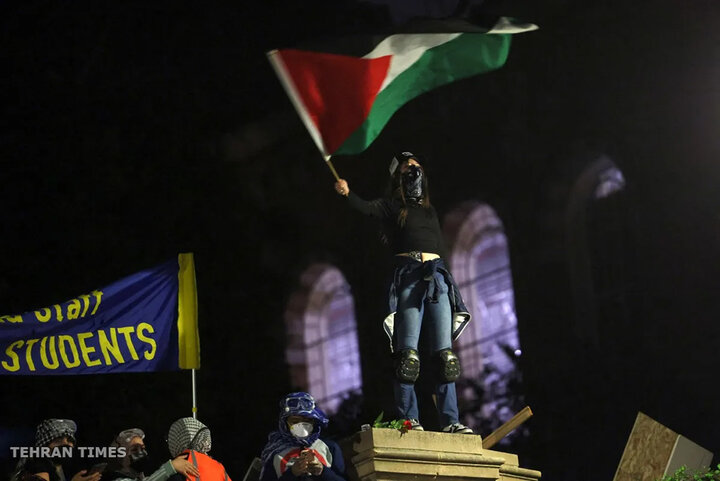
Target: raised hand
341, 187
183, 466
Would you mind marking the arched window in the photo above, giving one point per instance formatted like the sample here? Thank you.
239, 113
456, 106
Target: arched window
596, 232
609, 181
481, 266
322, 348
489, 389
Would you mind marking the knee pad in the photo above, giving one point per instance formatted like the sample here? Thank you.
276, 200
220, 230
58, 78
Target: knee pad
407, 366
449, 365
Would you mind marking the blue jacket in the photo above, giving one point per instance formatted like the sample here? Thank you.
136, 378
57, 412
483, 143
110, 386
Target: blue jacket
434, 271
278, 467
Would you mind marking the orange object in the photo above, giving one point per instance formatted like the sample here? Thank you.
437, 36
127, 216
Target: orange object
210, 469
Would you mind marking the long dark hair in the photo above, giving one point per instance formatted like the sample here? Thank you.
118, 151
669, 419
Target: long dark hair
396, 193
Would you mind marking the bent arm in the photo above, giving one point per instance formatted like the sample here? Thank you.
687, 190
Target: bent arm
162, 473
379, 208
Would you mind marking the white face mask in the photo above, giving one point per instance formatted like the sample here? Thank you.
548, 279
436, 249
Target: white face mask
301, 430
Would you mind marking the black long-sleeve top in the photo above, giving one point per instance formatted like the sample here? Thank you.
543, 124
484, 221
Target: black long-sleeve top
420, 232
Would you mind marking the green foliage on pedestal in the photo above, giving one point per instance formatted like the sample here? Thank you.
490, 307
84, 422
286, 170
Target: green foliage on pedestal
402, 425
684, 474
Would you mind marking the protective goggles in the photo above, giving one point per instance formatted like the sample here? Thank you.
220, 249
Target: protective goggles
300, 403
124, 438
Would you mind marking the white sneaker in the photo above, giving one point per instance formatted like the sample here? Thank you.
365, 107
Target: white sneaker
415, 425
457, 428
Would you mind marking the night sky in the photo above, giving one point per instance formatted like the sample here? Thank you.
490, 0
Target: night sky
132, 131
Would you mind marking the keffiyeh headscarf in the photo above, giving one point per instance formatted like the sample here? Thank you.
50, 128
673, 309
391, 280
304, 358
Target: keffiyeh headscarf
294, 404
188, 433
51, 429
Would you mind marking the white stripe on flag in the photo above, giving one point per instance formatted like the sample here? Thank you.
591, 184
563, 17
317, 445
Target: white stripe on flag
506, 25
406, 49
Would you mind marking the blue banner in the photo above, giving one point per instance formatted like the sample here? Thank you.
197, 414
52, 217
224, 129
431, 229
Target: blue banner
144, 322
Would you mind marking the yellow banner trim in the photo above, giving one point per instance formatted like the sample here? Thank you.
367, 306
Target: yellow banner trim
187, 323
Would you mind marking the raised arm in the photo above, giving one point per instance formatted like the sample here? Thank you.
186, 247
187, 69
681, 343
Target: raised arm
379, 208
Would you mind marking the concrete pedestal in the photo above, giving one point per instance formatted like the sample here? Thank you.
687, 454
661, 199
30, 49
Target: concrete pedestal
389, 455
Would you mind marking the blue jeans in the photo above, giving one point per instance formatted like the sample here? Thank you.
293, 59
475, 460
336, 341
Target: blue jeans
412, 312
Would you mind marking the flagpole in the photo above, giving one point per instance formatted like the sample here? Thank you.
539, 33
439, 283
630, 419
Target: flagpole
332, 167
194, 395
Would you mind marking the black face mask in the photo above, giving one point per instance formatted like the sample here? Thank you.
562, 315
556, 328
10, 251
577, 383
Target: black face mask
140, 461
70, 464
61, 459
412, 184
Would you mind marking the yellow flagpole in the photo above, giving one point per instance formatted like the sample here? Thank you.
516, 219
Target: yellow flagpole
332, 168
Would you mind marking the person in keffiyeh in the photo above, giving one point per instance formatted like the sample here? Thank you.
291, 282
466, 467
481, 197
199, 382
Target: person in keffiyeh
295, 451
56, 433
190, 439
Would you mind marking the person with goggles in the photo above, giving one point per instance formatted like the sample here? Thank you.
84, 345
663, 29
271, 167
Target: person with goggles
136, 462
295, 450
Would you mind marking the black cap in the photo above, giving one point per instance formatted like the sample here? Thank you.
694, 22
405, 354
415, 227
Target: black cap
399, 159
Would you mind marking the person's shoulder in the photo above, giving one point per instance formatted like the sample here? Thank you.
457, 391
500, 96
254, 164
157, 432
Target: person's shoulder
330, 443
209, 461
206, 456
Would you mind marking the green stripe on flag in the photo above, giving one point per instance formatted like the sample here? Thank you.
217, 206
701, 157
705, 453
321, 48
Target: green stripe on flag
467, 55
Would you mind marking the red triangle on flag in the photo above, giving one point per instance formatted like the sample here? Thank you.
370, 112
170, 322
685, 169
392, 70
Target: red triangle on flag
337, 91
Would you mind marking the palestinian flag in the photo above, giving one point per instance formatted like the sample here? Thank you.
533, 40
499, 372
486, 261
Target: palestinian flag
346, 100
